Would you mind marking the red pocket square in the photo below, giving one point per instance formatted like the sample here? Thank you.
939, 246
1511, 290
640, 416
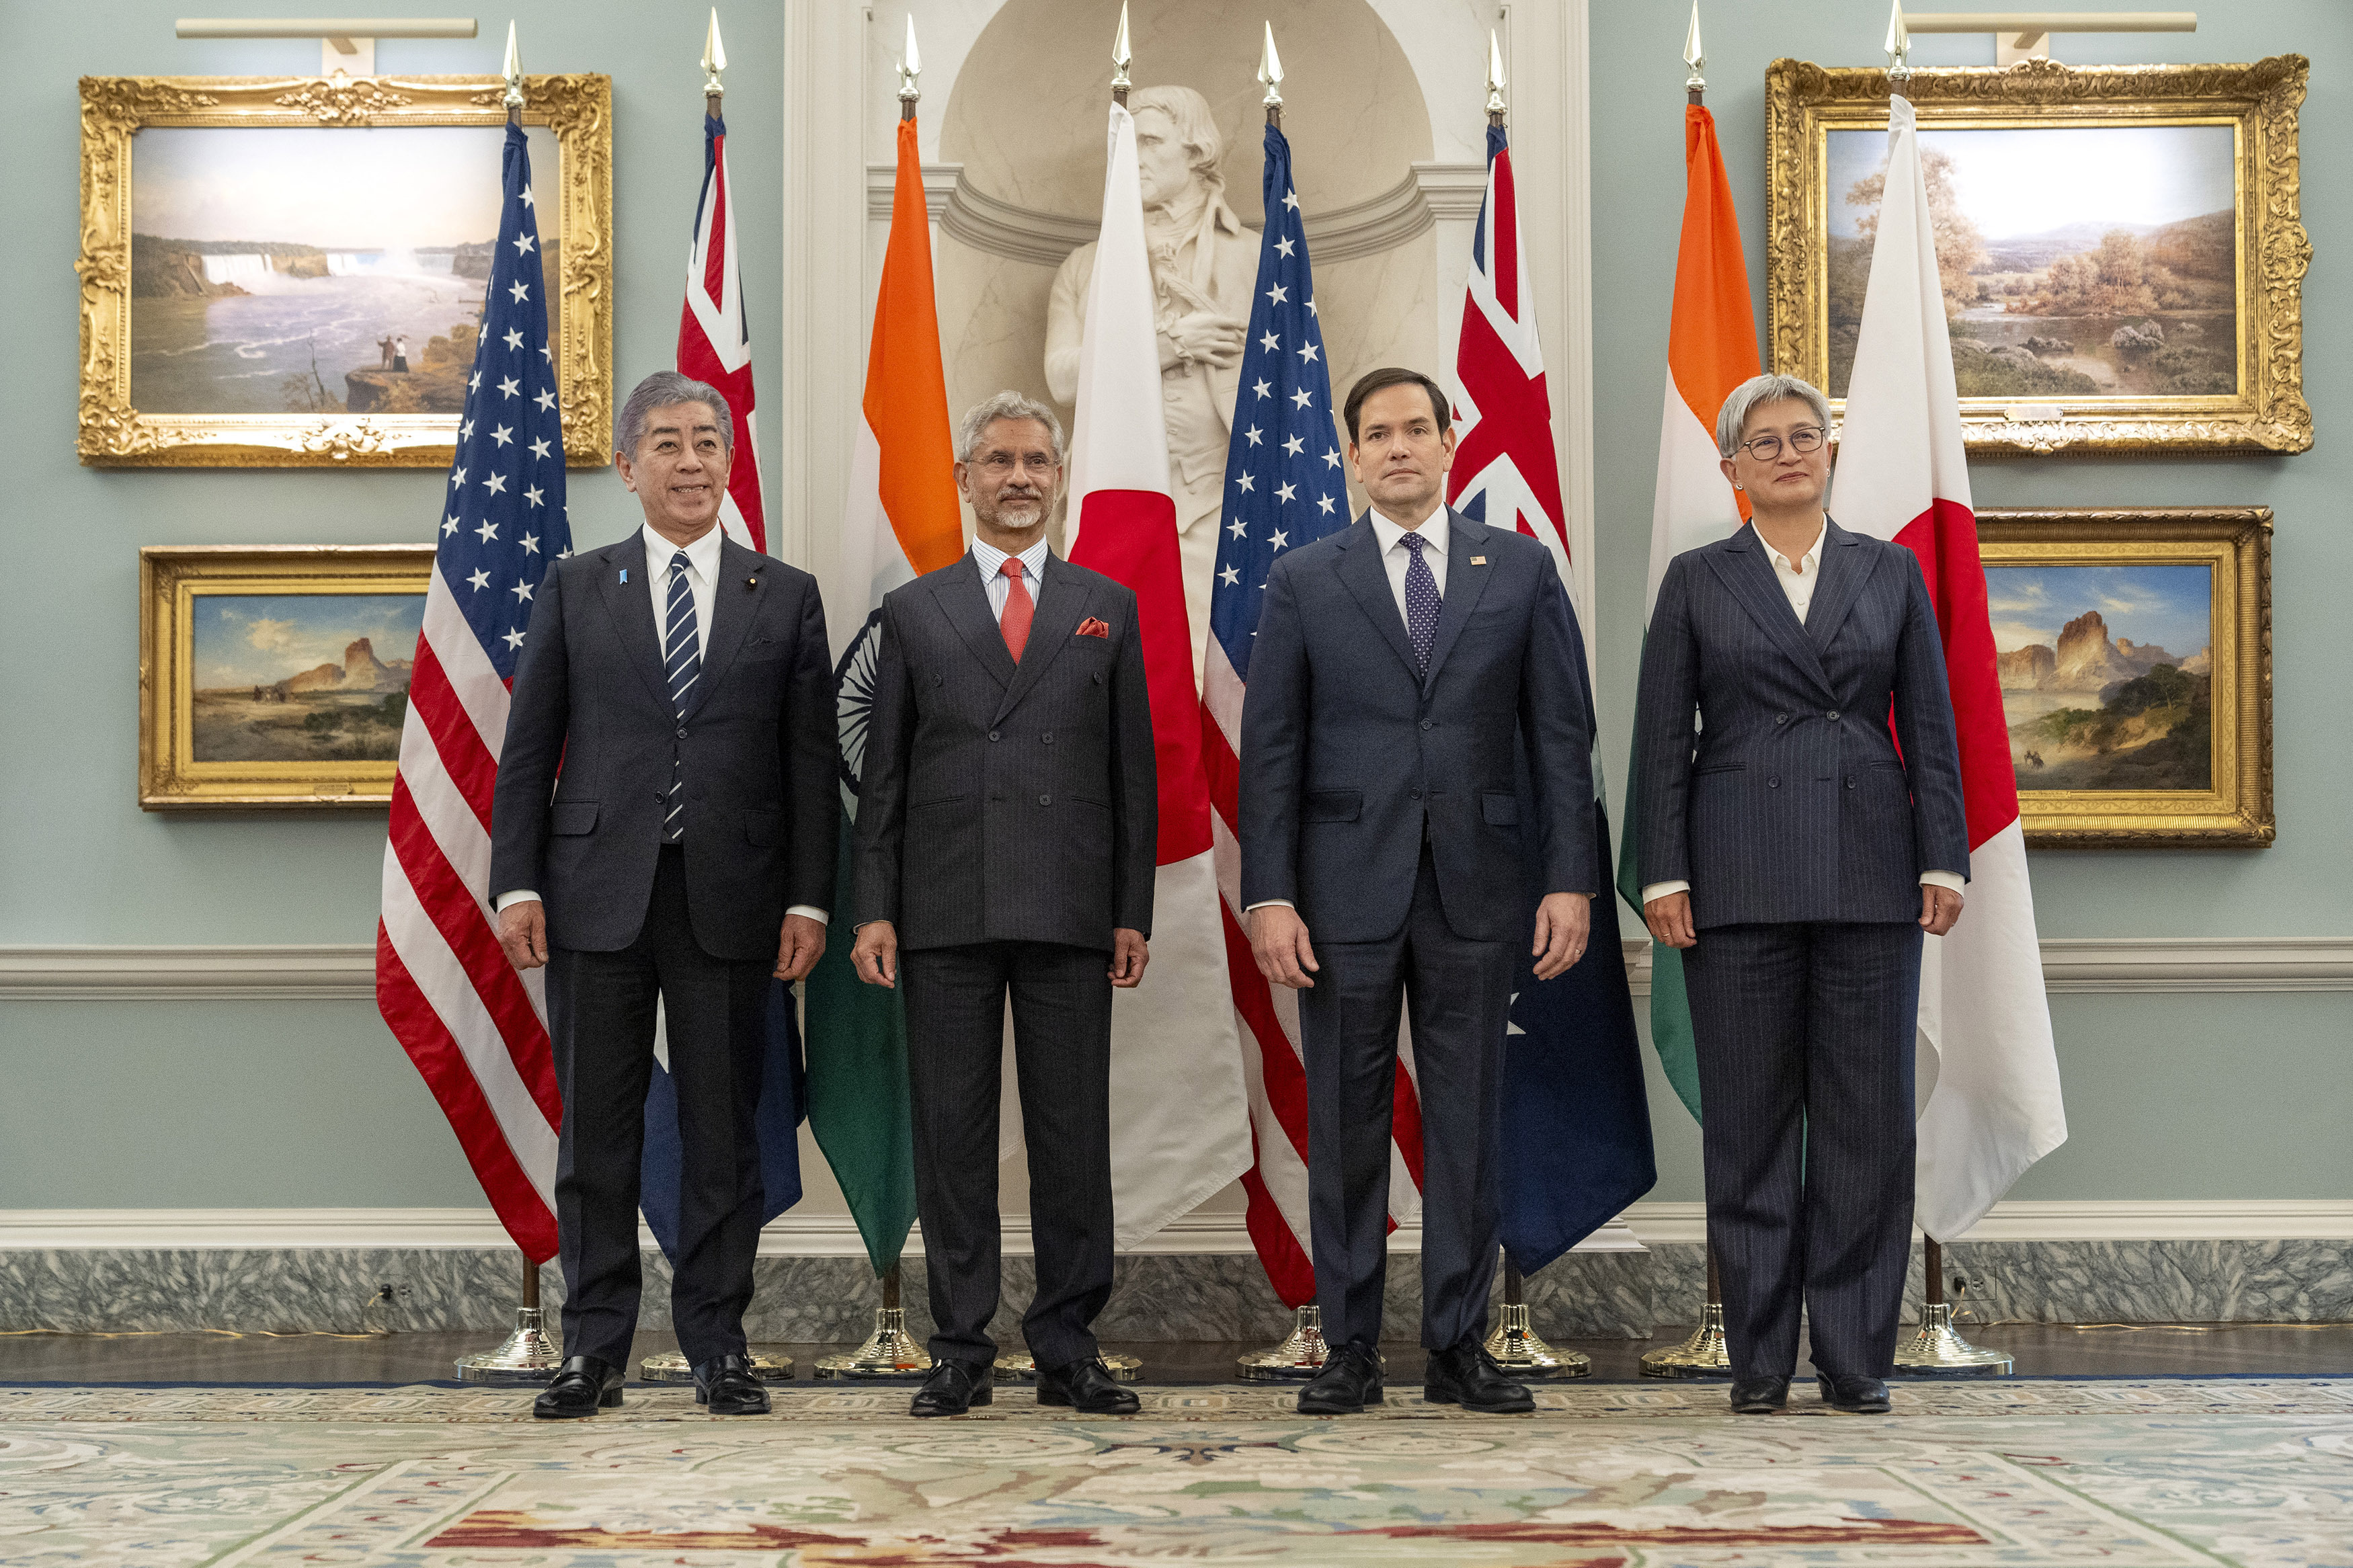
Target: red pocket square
1092, 627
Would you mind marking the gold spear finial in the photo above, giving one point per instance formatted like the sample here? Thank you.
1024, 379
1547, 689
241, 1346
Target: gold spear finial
1496, 107
1898, 46
714, 59
1694, 84
1121, 57
1270, 74
512, 71
910, 66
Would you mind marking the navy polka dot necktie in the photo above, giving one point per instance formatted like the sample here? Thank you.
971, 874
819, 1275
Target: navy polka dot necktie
1421, 601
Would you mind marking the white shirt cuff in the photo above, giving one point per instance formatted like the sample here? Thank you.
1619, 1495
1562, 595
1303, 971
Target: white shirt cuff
1271, 903
1661, 890
1943, 879
816, 914
519, 896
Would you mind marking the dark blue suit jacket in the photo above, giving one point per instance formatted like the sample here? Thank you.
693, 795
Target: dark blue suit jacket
1348, 752
1789, 800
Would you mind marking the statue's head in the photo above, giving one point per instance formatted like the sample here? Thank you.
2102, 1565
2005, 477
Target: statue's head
1177, 143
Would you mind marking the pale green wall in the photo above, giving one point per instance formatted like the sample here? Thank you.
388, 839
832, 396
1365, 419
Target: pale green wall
284, 1104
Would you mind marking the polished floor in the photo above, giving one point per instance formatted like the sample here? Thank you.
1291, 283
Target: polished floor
2040, 1349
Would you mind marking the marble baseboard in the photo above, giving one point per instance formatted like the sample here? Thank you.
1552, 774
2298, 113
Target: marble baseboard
1175, 1297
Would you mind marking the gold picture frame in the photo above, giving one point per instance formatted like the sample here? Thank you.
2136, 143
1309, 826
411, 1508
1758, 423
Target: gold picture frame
259, 681
2074, 572
2105, 378
577, 110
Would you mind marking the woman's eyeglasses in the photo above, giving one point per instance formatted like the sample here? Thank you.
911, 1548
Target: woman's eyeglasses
1765, 448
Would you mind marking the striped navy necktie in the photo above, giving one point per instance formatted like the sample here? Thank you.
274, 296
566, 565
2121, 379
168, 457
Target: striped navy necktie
683, 666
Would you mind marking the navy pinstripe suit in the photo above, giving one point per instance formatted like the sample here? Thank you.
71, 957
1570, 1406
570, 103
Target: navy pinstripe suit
1802, 831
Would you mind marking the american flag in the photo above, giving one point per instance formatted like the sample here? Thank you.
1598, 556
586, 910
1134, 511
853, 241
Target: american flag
1285, 484
475, 1027
714, 341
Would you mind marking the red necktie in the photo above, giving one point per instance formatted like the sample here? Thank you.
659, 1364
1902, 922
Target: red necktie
1015, 621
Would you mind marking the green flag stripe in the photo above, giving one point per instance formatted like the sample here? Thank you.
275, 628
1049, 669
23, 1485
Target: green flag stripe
1671, 1025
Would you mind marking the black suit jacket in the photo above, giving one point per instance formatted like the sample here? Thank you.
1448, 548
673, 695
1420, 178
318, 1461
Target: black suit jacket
590, 703
1003, 802
1788, 801
1347, 751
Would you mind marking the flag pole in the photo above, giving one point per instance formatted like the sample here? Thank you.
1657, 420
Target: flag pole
890, 1354
1514, 1344
1937, 1349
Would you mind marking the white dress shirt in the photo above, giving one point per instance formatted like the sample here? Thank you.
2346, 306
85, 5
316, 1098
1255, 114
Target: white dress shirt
701, 575
1397, 560
991, 562
1796, 579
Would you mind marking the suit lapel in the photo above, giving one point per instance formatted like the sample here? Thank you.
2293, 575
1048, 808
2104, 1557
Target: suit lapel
965, 602
734, 607
1742, 565
1367, 580
1846, 570
1466, 578
631, 606
1061, 601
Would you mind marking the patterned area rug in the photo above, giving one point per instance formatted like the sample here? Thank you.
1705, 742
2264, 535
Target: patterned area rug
2129, 1474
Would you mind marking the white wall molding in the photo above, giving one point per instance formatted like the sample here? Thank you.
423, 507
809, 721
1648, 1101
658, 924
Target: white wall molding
836, 1236
2221, 966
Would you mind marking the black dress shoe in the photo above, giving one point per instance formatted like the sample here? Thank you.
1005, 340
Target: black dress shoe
1759, 1395
1464, 1374
1351, 1379
1085, 1386
730, 1388
584, 1385
1854, 1394
955, 1387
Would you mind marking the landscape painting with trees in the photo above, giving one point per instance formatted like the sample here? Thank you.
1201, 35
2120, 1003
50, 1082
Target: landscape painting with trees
2078, 262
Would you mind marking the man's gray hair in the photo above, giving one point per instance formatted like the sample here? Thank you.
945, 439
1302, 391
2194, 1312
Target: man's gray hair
1195, 125
660, 390
1004, 405
1754, 394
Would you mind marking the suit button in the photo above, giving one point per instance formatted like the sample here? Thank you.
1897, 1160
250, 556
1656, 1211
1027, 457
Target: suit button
1850, 784
681, 731
1780, 718
1416, 793
1048, 738
1428, 725
1832, 715
1774, 782
1045, 800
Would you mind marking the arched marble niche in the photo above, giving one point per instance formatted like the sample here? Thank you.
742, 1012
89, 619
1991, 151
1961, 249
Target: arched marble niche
1025, 121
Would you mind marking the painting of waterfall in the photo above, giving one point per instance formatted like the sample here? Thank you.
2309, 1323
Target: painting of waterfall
317, 270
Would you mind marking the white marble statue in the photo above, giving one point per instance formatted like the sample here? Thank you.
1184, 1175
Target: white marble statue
1204, 265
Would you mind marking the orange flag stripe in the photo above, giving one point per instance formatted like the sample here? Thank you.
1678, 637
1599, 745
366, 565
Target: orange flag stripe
906, 400
1711, 339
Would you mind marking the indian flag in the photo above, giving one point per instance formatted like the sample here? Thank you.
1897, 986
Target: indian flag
1711, 348
901, 521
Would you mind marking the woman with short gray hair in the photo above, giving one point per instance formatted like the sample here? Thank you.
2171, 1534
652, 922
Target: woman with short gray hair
1796, 855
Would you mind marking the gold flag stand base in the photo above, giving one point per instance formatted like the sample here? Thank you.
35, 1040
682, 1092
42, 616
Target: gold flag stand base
1519, 1350
890, 1355
527, 1356
1300, 1356
1706, 1354
1937, 1349
671, 1367
1022, 1368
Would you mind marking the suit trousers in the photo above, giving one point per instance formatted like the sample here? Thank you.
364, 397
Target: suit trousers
1061, 1046
1457, 994
601, 1007
1805, 1037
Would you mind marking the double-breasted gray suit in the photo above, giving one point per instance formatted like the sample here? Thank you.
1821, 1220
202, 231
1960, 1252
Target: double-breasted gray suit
593, 743
1378, 797
1007, 823
1767, 777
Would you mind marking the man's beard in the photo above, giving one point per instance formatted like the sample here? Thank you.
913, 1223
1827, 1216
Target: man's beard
1019, 514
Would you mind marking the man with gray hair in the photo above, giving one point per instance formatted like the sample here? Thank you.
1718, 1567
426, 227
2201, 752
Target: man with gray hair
1007, 830
664, 828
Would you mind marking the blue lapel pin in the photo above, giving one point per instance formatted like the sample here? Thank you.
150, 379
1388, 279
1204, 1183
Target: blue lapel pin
625, 574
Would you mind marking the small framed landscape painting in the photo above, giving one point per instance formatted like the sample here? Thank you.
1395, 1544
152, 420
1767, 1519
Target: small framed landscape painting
2134, 655
275, 675
2120, 248
291, 272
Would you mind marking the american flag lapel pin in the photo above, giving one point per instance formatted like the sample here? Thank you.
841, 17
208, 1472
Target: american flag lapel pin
1478, 560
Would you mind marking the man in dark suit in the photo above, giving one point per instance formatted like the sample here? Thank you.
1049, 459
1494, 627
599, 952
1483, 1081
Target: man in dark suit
1006, 838
664, 825
1398, 665
1796, 855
